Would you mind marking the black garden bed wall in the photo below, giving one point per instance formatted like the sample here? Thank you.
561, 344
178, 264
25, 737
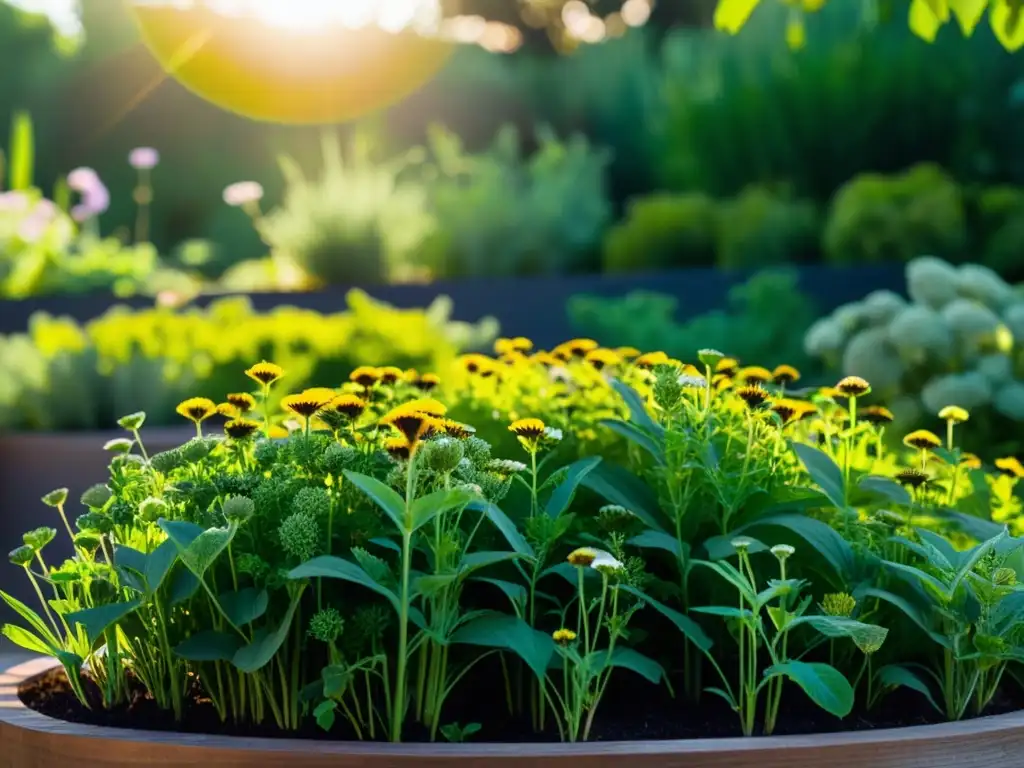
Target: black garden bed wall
530, 306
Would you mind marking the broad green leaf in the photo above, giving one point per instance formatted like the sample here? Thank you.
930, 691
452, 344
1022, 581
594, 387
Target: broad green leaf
34, 619
921, 577
97, 620
127, 557
245, 605
627, 658
976, 527
721, 548
474, 561
657, 540
725, 695
158, 564
181, 532
507, 528
883, 486
332, 567
725, 611
384, 497
691, 630
25, 639
909, 610
637, 436
205, 549
971, 559
497, 630
731, 15
730, 573
638, 410
620, 486
867, 637
386, 544
1007, 23
209, 645
562, 496
568, 572
265, 644
825, 685
821, 536
896, 675
184, 584
426, 508
824, 472
516, 593
431, 584
939, 548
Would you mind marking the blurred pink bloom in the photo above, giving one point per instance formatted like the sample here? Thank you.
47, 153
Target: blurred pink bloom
242, 193
95, 199
143, 158
14, 202
34, 226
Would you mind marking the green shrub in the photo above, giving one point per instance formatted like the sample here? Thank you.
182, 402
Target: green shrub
760, 228
1000, 221
764, 322
877, 219
663, 230
500, 213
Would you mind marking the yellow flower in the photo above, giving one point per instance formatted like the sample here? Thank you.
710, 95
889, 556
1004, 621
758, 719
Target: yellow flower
563, 636
853, 386
196, 409
791, 410
912, 477
519, 344
582, 557
544, 358
389, 374
727, 365
320, 393
305, 405
1010, 465
578, 347
922, 439
651, 359
427, 381
754, 396
227, 410
838, 604
457, 429
754, 374
954, 414
528, 429
348, 406
398, 447
365, 376
876, 414
265, 373
277, 432
476, 363
240, 429
628, 353
603, 358
426, 405
785, 374
970, 460
243, 401
412, 422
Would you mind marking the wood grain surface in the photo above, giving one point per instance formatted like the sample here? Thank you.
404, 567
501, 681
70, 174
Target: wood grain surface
31, 740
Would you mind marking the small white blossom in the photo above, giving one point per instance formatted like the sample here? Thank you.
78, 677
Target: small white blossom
606, 562
692, 381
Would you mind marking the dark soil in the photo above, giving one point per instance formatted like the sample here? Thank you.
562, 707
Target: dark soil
627, 713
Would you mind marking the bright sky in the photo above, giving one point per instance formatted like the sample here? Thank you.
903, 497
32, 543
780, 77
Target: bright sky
63, 13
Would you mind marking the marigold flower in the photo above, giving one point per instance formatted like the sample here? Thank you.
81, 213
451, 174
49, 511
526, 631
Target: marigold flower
838, 604
241, 429
426, 405
913, 478
389, 374
954, 414
579, 347
321, 393
754, 374
519, 344
243, 401
414, 423
785, 374
529, 429
427, 381
265, 373
649, 360
876, 414
228, 411
727, 365
457, 429
923, 440
349, 406
754, 396
305, 404
196, 409
365, 376
602, 358
476, 363
853, 386
398, 448
628, 353
583, 557
1010, 465
563, 636
789, 410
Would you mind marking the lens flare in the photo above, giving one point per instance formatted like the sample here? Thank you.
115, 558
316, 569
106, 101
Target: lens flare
297, 61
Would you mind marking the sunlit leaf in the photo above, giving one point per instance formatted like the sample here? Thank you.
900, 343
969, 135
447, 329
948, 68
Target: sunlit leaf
97, 620
825, 685
731, 15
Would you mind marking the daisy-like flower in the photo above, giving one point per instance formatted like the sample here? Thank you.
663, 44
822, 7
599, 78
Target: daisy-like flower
427, 382
602, 358
563, 636
552, 435
426, 405
414, 423
606, 563
322, 393
519, 344
742, 543
954, 414
913, 478
389, 374
876, 414
970, 460
786, 409
583, 557
923, 440
727, 365
853, 386
785, 374
506, 466
196, 409
649, 360
546, 359
398, 448
1010, 465
628, 353
477, 364
457, 429
782, 551
753, 395
277, 432
349, 406
305, 405
243, 401
365, 376
579, 347
241, 429
227, 410
754, 374
265, 373
529, 432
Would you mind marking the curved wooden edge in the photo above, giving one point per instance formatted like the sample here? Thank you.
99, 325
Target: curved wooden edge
29, 739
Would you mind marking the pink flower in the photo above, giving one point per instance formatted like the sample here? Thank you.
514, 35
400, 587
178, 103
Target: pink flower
95, 199
243, 193
143, 158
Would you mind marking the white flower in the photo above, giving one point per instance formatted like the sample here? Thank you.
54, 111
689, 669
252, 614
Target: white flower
506, 466
243, 193
741, 543
606, 562
552, 434
782, 551
687, 382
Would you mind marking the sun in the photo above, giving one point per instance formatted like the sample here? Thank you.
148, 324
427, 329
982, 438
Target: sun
296, 61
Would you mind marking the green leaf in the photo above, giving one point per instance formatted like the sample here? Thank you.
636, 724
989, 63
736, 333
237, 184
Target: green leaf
324, 714
627, 658
721, 548
730, 573
209, 646
908, 610
896, 675
474, 561
184, 584
265, 644
690, 629
181, 532
384, 497
825, 685
637, 436
867, 637
562, 496
1005, 20
824, 472
976, 527
504, 525
657, 540
34, 619
426, 508
498, 630
970, 559
883, 486
821, 536
25, 639
731, 15
725, 611
245, 605
206, 548
158, 565
638, 410
97, 620
922, 577
22, 159
516, 593
620, 486
331, 567
127, 557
